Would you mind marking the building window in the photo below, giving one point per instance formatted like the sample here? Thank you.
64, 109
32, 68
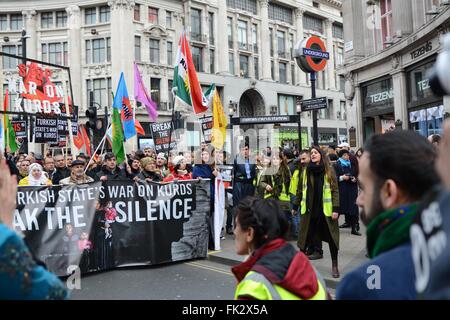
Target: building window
211, 27
104, 14
98, 50
282, 68
271, 41
338, 31
386, 21
137, 48
291, 45
61, 19
155, 89
100, 91
196, 25
65, 54
243, 66
211, 61
230, 32
8, 62
54, 53
256, 66
272, 71
242, 35
315, 4
3, 22
90, 15
342, 112
168, 19
341, 83
245, 5
154, 51
231, 62
46, 20
197, 58
152, 15
255, 38
281, 44
280, 13
312, 23
108, 49
339, 61
287, 104
293, 74
16, 22
169, 53
137, 12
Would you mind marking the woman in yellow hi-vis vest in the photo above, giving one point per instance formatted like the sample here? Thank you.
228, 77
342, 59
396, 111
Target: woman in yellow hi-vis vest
318, 198
274, 270
275, 182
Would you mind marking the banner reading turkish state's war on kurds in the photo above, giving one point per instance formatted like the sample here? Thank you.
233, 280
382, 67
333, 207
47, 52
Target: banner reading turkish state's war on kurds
118, 223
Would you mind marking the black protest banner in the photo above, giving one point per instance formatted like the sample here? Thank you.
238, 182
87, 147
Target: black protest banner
207, 124
20, 128
161, 136
45, 130
118, 223
63, 126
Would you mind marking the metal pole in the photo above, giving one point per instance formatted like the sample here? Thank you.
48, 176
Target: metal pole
313, 95
299, 131
231, 141
28, 119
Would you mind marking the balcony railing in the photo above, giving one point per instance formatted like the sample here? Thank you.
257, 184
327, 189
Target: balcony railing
243, 46
196, 36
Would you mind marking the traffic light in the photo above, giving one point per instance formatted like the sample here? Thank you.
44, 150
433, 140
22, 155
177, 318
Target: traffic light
91, 113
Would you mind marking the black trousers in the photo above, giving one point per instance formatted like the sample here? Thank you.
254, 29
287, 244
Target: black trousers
317, 232
240, 191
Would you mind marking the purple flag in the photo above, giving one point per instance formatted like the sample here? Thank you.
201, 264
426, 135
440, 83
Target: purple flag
141, 95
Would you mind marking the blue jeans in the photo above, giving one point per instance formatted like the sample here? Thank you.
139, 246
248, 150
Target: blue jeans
294, 220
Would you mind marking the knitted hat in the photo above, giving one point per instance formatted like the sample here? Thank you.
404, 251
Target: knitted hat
146, 161
177, 160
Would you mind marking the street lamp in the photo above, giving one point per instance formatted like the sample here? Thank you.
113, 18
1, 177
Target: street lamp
232, 109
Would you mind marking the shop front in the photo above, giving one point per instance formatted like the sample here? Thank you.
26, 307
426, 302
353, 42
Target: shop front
378, 106
425, 110
288, 137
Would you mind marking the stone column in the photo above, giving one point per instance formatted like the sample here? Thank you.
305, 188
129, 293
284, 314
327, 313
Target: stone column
331, 77
222, 38
400, 97
29, 17
265, 45
121, 37
75, 57
299, 74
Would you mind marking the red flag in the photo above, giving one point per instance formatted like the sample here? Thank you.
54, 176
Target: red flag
139, 128
86, 141
198, 99
78, 139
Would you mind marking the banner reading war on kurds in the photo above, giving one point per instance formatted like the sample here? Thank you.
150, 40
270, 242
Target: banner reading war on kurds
118, 223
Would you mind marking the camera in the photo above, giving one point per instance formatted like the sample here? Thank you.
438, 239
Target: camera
439, 77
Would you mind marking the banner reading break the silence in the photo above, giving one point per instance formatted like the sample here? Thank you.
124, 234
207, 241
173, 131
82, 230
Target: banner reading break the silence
118, 223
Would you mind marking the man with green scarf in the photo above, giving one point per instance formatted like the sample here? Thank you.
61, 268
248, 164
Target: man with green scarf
395, 171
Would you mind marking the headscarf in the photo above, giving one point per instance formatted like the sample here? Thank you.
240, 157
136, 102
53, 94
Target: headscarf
32, 180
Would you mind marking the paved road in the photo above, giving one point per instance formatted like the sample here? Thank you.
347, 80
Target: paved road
195, 279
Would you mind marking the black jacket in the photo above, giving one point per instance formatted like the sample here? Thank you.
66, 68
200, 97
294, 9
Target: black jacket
116, 174
240, 175
60, 174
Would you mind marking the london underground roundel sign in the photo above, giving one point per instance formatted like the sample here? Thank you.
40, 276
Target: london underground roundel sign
311, 54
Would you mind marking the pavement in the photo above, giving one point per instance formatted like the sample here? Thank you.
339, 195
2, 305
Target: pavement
352, 251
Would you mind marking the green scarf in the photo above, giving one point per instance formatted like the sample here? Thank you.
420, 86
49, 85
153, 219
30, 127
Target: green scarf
390, 229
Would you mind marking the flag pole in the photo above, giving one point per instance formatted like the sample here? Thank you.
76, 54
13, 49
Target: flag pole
102, 142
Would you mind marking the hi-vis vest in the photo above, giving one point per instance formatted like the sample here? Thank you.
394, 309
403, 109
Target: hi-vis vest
257, 286
284, 196
293, 186
326, 197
